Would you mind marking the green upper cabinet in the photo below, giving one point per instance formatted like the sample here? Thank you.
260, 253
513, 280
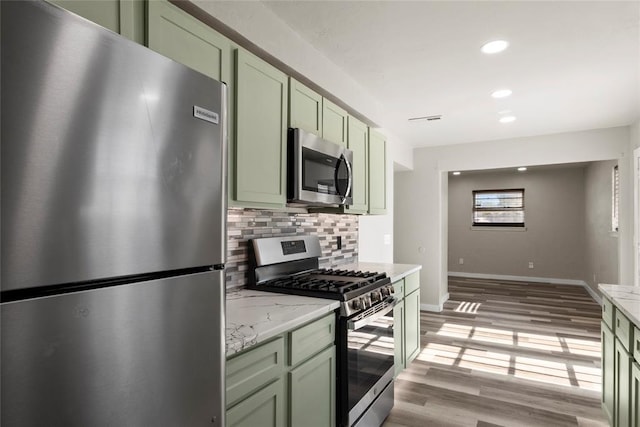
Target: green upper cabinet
305, 108
358, 143
377, 173
125, 17
259, 152
177, 35
334, 123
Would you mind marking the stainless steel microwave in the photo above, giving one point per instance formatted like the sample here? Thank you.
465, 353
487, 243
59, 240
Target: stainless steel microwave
319, 171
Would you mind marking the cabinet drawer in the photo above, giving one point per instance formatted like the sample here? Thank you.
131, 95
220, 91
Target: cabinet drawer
636, 344
398, 289
251, 370
607, 312
624, 330
411, 283
312, 338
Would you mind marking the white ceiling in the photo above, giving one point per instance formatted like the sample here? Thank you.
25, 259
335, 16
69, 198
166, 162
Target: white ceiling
572, 65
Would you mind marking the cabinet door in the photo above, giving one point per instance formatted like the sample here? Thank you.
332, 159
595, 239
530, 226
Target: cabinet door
334, 123
635, 395
305, 108
412, 326
177, 35
608, 370
125, 17
261, 133
263, 408
254, 368
313, 391
377, 173
358, 143
622, 393
398, 337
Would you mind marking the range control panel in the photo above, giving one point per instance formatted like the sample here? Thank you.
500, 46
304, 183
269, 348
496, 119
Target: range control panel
293, 247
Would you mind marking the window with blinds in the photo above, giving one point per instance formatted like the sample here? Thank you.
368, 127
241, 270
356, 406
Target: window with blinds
615, 197
498, 208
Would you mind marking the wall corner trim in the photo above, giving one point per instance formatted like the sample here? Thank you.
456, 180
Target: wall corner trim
435, 308
547, 280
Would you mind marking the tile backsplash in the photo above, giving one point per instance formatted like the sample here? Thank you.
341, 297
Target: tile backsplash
245, 224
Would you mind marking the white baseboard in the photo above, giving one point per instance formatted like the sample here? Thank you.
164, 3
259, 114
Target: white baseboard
435, 308
549, 280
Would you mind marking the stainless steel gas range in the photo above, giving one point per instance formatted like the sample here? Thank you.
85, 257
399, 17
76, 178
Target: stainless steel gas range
364, 337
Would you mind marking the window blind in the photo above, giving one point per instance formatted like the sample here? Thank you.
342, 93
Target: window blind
501, 208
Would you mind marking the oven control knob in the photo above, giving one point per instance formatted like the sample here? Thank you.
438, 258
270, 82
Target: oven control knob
356, 304
376, 296
366, 301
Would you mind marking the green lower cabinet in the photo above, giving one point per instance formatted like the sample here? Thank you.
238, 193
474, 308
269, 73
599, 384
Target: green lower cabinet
125, 17
608, 371
406, 321
263, 408
412, 326
635, 395
259, 151
623, 362
177, 35
288, 381
312, 391
398, 333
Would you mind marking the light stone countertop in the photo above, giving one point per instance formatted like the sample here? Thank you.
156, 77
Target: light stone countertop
625, 298
256, 316
394, 271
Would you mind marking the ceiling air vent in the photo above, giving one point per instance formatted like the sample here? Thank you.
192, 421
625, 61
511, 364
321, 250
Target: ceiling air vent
427, 118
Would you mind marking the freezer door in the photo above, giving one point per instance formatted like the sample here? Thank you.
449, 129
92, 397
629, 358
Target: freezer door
145, 354
113, 156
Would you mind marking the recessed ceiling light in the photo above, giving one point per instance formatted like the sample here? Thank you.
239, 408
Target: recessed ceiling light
507, 119
494, 46
501, 93
456, 173
522, 169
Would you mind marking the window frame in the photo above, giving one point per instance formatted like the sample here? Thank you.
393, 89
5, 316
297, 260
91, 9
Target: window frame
615, 199
517, 225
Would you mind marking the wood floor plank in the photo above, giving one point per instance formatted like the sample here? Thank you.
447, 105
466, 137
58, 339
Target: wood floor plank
505, 353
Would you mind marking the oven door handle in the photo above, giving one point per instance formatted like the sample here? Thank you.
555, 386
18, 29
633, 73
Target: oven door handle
355, 325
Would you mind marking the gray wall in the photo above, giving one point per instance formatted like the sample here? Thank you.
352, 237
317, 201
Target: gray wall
554, 238
601, 244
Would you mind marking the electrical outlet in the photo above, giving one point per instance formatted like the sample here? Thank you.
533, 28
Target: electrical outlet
339, 242
530, 264
460, 261
387, 239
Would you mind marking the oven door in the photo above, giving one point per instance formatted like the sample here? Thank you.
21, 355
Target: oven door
370, 356
321, 171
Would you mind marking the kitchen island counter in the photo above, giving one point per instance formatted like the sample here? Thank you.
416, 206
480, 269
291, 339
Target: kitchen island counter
254, 316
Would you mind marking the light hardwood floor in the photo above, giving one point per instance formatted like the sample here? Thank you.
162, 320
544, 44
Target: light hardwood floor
505, 353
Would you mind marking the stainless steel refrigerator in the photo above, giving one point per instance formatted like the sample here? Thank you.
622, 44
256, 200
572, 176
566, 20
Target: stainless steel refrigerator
113, 229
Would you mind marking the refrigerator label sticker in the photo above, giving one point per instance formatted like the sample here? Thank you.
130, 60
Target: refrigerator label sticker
206, 115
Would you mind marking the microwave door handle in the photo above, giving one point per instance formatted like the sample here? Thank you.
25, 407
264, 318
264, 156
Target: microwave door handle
350, 180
